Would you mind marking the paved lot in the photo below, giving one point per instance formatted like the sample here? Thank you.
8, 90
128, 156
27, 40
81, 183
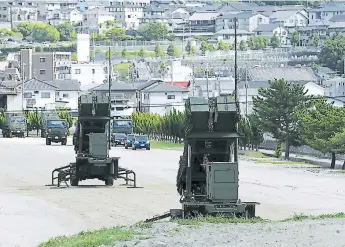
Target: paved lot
31, 213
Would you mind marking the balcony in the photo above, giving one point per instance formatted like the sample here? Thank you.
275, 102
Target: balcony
62, 63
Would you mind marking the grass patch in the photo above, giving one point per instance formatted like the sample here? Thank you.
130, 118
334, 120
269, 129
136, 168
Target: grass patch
253, 154
135, 53
299, 217
281, 162
217, 220
122, 67
96, 238
165, 145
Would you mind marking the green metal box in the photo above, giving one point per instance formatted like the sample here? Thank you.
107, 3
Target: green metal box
222, 181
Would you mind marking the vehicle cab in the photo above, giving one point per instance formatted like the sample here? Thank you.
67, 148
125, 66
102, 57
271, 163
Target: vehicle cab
57, 131
118, 139
141, 141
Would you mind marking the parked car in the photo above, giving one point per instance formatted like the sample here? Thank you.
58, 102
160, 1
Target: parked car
141, 141
118, 139
128, 141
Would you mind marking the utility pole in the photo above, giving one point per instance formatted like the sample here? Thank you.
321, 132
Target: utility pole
236, 91
208, 94
193, 77
246, 91
109, 97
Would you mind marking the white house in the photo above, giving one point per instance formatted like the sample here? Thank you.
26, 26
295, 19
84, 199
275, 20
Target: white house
269, 30
58, 16
67, 93
335, 87
290, 18
95, 17
162, 98
37, 93
89, 73
246, 21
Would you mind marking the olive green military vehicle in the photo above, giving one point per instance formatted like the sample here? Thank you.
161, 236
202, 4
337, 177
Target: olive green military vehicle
57, 131
15, 125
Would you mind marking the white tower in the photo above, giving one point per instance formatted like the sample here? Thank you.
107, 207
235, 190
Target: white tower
83, 47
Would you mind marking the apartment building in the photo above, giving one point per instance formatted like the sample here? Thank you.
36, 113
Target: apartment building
46, 66
18, 11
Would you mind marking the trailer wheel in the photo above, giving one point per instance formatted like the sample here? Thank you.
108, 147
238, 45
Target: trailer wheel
64, 142
74, 181
48, 142
251, 211
109, 182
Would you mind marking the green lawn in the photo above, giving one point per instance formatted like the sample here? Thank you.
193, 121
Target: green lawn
285, 162
165, 145
253, 154
105, 236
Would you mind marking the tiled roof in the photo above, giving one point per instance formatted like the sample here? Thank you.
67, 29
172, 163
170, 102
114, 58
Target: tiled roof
35, 84
117, 86
66, 85
164, 87
287, 73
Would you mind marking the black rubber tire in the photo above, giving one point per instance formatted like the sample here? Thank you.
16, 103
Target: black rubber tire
64, 142
126, 147
74, 181
148, 148
251, 211
48, 142
109, 182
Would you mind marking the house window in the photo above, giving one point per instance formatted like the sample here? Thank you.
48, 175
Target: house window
171, 96
42, 59
45, 95
36, 92
77, 71
93, 71
65, 95
42, 71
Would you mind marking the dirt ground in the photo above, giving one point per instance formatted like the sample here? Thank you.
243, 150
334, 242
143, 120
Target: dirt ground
31, 212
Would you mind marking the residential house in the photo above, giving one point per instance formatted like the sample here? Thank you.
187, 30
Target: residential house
201, 24
17, 12
248, 89
89, 73
270, 30
67, 93
307, 33
247, 20
37, 94
124, 98
336, 28
93, 19
59, 16
325, 12
228, 35
335, 87
157, 99
290, 19
127, 13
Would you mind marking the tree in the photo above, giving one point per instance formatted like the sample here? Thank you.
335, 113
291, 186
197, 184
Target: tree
64, 114
251, 43
74, 57
124, 52
243, 45
92, 56
153, 30
204, 47
265, 41
158, 51
163, 69
67, 31
193, 50
259, 43
44, 32
276, 109
316, 40
322, 128
222, 46
25, 28
142, 53
333, 53
115, 34
275, 42
295, 38
172, 51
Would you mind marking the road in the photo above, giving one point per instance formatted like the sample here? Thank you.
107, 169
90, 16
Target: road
31, 212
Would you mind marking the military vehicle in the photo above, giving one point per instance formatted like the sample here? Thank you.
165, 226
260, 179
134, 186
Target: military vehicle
92, 147
15, 125
124, 126
57, 131
46, 116
207, 178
